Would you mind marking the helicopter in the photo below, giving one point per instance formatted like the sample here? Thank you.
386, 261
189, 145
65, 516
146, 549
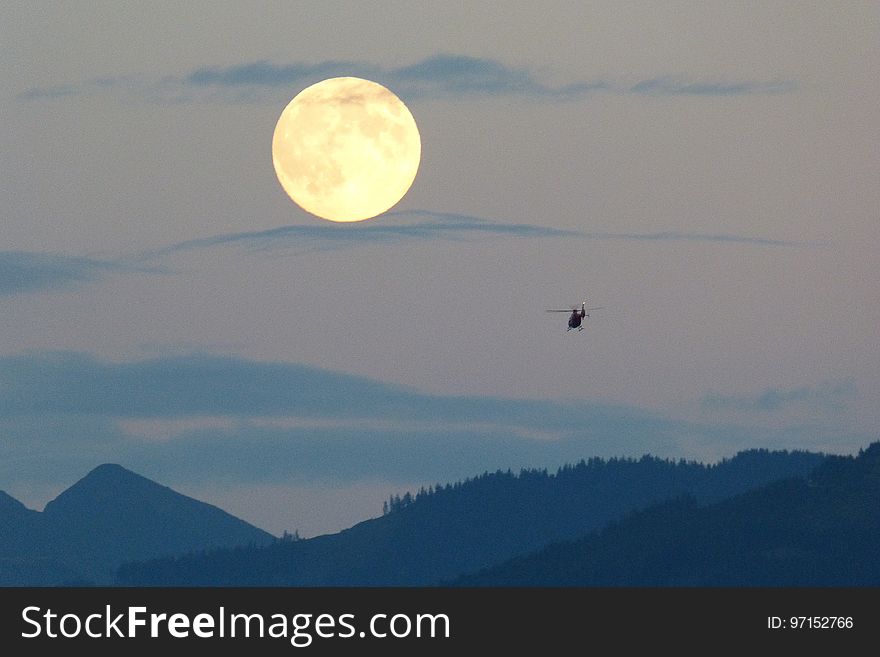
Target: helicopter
577, 315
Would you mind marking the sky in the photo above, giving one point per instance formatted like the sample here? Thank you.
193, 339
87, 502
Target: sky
706, 172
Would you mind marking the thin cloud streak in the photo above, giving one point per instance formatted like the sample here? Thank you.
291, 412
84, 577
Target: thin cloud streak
673, 86
408, 225
829, 396
23, 272
458, 75
201, 385
438, 76
676, 236
394, 227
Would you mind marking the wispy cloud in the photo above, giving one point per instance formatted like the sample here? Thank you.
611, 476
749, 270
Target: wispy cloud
457, 75
265, 73
680, 236
438, 76
828, 396
413, 225
460, 75
676, 86
417, 225
210, 386
50, 93
24, 272
393, 227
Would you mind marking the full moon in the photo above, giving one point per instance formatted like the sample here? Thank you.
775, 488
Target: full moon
346, 149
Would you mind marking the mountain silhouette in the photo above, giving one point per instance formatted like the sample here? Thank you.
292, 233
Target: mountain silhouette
110, 516
12, 508
445, 531
18, 526
819, 530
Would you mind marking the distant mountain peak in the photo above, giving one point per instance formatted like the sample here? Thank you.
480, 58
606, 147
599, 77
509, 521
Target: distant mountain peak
111, 471
113, 474
108, 467
110, 485
110, 516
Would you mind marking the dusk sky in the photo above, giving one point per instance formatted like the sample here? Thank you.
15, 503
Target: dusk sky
707, 172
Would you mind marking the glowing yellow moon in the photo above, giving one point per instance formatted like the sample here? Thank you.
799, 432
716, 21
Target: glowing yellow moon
346, 149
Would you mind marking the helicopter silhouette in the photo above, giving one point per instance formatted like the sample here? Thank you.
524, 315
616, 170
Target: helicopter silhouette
577, 315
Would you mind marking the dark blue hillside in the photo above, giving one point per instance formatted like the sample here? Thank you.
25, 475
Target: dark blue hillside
445, 531
818, 530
